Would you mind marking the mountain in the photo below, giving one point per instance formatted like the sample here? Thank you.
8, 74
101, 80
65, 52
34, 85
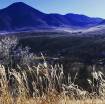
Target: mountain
21, 16
103, 22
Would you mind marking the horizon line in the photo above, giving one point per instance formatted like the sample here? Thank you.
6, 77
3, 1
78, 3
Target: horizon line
53, 12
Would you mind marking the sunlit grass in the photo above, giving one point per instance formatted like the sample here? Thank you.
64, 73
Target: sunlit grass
48, 86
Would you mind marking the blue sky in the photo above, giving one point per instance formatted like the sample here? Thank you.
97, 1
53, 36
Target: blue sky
93, 8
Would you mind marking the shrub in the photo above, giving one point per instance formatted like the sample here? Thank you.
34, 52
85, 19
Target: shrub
11, 54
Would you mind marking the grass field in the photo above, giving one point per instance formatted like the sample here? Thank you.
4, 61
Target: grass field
28, 79
15, 90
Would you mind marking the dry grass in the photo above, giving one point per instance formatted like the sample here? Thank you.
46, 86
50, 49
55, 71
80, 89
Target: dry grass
49, 100
47, 86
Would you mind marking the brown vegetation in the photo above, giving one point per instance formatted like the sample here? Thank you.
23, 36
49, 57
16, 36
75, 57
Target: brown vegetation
41, 82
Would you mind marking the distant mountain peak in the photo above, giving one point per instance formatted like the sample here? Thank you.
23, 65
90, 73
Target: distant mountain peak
20, 15
19, 4
20, 7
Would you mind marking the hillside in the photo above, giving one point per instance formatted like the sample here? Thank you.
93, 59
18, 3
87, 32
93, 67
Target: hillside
20, 16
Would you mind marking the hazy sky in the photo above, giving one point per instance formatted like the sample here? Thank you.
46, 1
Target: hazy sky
93, 8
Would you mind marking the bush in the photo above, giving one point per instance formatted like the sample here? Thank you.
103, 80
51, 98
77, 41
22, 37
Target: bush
11, 54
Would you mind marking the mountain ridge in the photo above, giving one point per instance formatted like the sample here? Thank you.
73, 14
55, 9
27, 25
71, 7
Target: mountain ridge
20, 15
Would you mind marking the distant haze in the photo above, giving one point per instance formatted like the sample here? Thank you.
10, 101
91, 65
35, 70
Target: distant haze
93, 8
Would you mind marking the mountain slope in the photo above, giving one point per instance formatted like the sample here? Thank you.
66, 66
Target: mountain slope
19, 15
